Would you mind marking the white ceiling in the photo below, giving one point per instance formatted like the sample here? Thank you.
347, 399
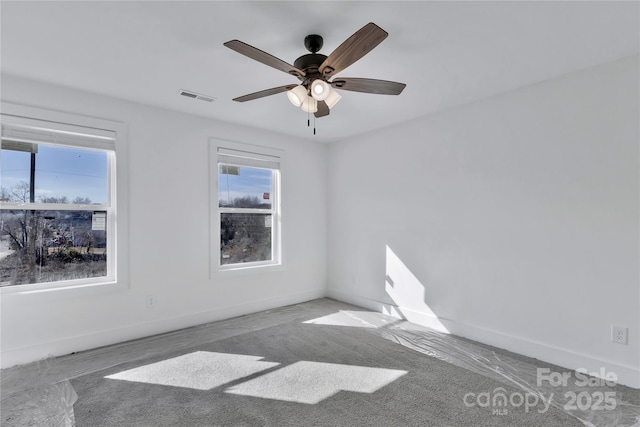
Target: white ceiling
448, 53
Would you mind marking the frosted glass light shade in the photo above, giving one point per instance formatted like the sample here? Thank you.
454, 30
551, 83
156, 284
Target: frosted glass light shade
309, 105
332, 98
297, 95
320, 89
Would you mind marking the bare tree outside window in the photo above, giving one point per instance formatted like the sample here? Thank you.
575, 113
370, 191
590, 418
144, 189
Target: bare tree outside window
49, 237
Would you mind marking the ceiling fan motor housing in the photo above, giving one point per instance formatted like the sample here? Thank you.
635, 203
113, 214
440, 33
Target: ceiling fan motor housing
309, 64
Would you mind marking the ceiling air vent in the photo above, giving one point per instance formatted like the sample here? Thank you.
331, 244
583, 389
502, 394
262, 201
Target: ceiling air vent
193, 95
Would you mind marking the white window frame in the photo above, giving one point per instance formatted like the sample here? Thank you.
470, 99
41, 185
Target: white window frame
54, 128
254, 155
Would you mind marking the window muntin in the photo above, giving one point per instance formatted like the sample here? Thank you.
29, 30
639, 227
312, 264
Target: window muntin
248, 187
57, 210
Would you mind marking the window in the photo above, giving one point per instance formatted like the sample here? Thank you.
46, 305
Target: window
247, 183
57, 203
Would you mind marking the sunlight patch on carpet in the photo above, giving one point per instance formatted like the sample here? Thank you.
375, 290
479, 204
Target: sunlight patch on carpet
200, 370
311, 382
355, 319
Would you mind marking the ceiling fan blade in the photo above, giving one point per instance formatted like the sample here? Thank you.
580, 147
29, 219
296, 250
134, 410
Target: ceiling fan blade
323, 109
261, 56
264, 93
355, 47
380, 87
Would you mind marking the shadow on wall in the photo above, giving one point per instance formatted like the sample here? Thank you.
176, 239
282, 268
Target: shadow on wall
408, 294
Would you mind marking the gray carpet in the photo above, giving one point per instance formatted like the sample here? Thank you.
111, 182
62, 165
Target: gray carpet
295, 374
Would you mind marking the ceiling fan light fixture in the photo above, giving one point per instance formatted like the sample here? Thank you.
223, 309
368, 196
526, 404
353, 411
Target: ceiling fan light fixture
320, 89
332, 98
297, 95
309, 105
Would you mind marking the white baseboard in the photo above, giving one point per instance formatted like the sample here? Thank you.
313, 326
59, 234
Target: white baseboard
627, 375
23, 355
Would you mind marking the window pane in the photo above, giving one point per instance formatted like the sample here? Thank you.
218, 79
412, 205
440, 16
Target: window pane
39, 246
245, 238
62, 174
244, 187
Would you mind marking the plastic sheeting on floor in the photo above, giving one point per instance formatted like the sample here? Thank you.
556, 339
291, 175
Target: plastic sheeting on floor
586, 398
40, 394
42, 405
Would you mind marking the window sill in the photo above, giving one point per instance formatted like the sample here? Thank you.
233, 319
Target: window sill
75, 287
242, 270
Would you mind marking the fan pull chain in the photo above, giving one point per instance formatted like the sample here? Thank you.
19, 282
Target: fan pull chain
309, 121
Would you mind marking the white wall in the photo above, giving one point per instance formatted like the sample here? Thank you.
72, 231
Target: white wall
168, 174
512, 221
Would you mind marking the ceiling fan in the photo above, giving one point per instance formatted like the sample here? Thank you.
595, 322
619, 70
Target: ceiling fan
315, 94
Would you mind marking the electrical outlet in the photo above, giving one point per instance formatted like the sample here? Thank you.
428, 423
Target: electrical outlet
151, 301
619, 334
